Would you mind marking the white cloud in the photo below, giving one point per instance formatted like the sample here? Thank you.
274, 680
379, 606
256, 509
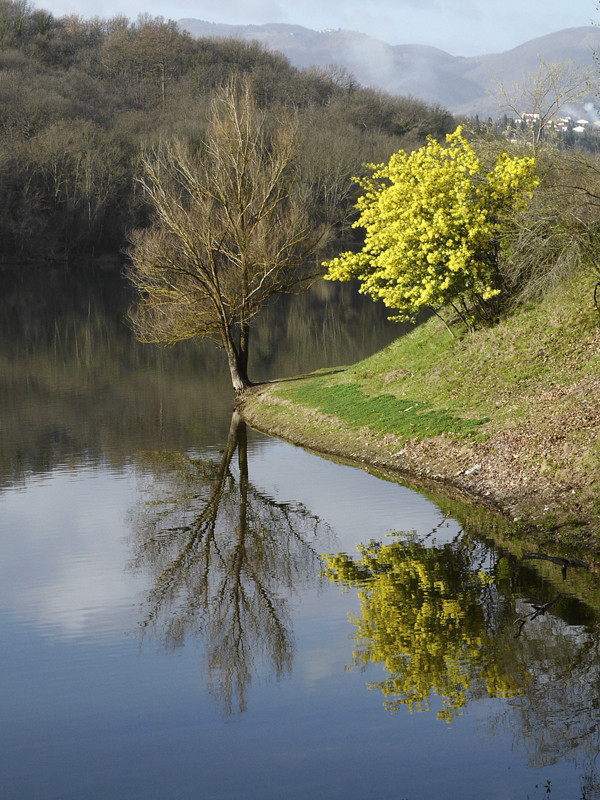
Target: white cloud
63, 554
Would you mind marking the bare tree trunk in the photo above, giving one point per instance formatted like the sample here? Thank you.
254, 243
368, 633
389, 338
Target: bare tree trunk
238, 363
244, 344
239, 377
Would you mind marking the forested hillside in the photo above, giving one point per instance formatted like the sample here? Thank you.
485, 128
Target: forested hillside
460, 83
80, 99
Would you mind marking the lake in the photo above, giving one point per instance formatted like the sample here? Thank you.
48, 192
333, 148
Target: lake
191, 609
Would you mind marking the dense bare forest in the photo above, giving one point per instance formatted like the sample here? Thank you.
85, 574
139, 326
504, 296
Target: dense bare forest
79, 99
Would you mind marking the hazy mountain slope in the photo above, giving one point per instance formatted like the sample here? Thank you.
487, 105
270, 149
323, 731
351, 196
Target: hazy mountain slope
426, 72
577, 44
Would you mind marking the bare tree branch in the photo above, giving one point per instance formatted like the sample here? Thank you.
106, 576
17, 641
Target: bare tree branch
231, 229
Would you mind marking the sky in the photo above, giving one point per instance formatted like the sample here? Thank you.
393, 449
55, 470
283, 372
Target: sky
461, 27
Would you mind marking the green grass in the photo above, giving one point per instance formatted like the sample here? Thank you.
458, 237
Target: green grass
455, 386
527, 388
382, 413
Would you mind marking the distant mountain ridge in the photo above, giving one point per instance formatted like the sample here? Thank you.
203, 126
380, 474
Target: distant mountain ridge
458, 83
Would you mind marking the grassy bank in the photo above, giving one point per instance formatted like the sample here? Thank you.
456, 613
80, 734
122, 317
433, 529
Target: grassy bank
508, 416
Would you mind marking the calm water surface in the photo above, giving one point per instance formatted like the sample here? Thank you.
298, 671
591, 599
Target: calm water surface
190, 609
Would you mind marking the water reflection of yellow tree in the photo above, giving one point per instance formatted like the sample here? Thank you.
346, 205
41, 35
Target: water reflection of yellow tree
427, 614
224, 557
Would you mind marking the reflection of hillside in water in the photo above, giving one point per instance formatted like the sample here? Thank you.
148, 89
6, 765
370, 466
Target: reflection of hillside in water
332, 325
224, 558
76, 387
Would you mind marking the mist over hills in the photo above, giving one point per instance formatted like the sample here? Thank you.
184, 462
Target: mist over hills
456, 82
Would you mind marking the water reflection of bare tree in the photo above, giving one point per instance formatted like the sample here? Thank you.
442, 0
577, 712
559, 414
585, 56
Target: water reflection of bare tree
224, 557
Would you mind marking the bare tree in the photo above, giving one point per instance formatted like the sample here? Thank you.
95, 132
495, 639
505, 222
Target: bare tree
231, 229
145, 57
545, 92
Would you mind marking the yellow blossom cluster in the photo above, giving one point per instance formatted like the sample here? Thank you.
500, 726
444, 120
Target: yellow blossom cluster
422, 619
432, 219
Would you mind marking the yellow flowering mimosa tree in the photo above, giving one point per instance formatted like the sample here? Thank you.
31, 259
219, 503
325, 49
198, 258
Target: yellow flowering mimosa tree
432, 220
